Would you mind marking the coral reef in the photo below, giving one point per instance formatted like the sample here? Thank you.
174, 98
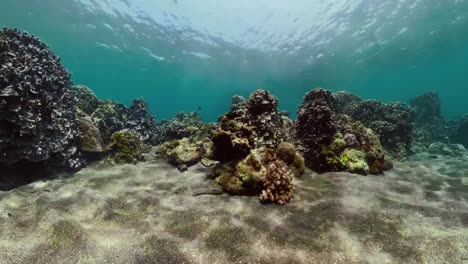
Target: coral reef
426, 107
315, 127
439, 148
249, 139
109, 117
140, 120
458, 131
126, 147
180, 126
320, 130
233, 140
392, 122
277, 185
241, 177
87, 100
429, 127
38, 121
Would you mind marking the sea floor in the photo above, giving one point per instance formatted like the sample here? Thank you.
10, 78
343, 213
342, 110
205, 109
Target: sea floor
145, 213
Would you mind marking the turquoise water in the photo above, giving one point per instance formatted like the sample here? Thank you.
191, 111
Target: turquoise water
181, 55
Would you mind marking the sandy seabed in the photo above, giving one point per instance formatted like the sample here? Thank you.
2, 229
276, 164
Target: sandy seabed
146, 213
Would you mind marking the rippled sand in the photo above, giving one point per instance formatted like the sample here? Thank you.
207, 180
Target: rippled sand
417, 213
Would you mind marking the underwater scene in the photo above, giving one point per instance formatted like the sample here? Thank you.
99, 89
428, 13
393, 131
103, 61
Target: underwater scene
248, 131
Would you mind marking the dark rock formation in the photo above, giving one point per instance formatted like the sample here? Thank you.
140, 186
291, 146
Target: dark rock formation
38, 121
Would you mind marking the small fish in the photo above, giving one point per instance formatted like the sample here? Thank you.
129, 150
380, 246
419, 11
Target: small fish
199, 108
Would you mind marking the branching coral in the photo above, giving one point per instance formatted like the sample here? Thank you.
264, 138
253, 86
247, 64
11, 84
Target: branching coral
277, 184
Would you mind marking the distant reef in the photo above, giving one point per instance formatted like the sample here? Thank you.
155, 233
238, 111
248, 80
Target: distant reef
49, 126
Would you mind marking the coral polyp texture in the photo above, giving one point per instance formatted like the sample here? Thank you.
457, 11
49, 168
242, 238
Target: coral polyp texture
38, 121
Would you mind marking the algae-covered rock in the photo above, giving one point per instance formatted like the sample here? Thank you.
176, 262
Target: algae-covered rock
299, 164
286, 152
185, 151
241, 177
126, 147
355, 161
